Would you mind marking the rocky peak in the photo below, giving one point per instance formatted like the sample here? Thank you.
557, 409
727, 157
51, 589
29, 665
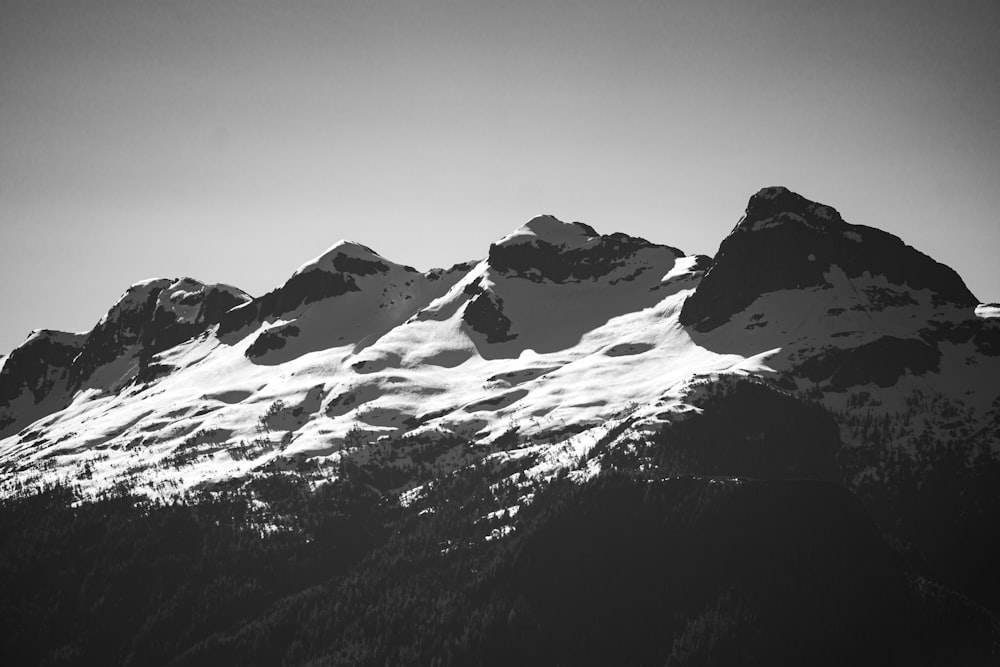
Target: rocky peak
190, 301
547, 249
183, 310
152, 316
42, 348
33, 371
776, 206
335, 272
550, 230
785, 241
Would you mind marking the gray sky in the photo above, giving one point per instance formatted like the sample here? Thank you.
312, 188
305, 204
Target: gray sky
233, 140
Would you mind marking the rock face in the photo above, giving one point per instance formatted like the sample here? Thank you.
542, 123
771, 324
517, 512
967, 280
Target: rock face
186, 309
548, 282
784, 242
882, 362
485, 315
155, 316
150, 317
550, 250
35, 370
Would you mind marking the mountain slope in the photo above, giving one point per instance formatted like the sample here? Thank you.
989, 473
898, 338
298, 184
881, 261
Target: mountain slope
559, 336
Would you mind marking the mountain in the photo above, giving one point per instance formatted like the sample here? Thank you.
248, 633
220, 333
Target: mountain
813, 371
52, 367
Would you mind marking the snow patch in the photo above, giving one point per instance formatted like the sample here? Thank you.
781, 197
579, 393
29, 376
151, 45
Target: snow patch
988, 311
551, 230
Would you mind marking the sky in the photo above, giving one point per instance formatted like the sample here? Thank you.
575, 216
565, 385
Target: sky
232, 141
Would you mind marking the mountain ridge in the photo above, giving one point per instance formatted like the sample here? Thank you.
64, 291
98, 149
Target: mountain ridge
461, 420
545, 289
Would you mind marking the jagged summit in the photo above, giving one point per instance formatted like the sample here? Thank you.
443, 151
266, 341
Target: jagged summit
135, 296
777, 205
786, 242
151, 316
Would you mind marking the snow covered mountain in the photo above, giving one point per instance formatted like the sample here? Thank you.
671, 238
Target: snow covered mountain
807, 349
560, 338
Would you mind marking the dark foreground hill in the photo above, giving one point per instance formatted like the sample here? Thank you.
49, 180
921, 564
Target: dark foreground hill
619, 570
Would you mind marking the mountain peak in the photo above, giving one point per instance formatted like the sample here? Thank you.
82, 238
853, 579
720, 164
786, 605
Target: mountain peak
551, 230
785, 241
346, 257
775, 206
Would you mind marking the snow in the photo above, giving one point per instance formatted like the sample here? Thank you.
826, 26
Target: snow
430, 363
59, 337
324, 261
551, 230
988, 311
592, 361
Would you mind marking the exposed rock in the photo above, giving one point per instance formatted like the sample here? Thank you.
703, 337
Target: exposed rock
788, 242
485, 315
881, 361
360, 267
151, 317
985, 334
36, 369
332, 274
548, 249
184, 310
272, 339
119, 329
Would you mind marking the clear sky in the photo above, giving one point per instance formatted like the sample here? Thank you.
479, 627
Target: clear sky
233, 140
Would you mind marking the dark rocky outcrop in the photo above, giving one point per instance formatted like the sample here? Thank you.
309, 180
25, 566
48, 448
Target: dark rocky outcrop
788, 242
540, 260
149, 318
484, 313
37, 368
168, 328
315, 284
882, 362
119, 329
460, 267
272, 339
356, 265
984, 334
300, 289
152, 317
